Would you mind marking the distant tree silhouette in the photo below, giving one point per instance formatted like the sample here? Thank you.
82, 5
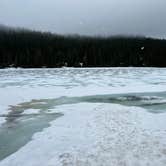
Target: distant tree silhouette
25, 48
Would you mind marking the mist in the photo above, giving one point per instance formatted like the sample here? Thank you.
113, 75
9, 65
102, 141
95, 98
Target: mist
84, 17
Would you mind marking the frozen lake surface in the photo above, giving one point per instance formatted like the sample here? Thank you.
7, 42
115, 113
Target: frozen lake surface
83, 117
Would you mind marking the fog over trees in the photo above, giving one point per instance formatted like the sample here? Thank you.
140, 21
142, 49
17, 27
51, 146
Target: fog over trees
25, 48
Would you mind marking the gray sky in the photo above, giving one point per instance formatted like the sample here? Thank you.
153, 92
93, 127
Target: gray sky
88, 17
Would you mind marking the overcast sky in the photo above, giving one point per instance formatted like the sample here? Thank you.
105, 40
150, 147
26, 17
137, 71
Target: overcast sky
88, 17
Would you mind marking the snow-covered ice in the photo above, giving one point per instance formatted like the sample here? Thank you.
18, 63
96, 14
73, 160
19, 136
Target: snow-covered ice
31, 111
108, 116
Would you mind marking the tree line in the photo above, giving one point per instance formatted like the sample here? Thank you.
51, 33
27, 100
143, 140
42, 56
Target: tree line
25, 48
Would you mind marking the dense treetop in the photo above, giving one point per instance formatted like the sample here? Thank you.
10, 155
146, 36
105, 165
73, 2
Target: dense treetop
25, 48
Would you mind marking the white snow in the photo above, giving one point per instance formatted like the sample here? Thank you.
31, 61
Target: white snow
89, 134
21, 85
31, 111
95, 134
3, 110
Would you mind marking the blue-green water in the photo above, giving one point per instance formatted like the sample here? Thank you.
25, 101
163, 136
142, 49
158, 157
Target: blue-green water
19, 128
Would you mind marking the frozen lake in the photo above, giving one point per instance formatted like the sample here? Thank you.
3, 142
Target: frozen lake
83, 117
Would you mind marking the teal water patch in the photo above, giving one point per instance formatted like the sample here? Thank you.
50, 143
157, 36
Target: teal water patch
19, 127
152, 102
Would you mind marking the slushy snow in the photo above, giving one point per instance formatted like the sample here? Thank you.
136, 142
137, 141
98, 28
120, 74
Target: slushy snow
88, 134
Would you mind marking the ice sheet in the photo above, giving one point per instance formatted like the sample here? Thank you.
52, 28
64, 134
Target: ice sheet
89, 133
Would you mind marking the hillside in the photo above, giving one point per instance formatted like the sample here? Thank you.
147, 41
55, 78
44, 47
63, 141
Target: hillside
26, 48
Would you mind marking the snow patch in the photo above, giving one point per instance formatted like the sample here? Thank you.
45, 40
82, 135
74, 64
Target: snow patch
95, 134
31, 111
